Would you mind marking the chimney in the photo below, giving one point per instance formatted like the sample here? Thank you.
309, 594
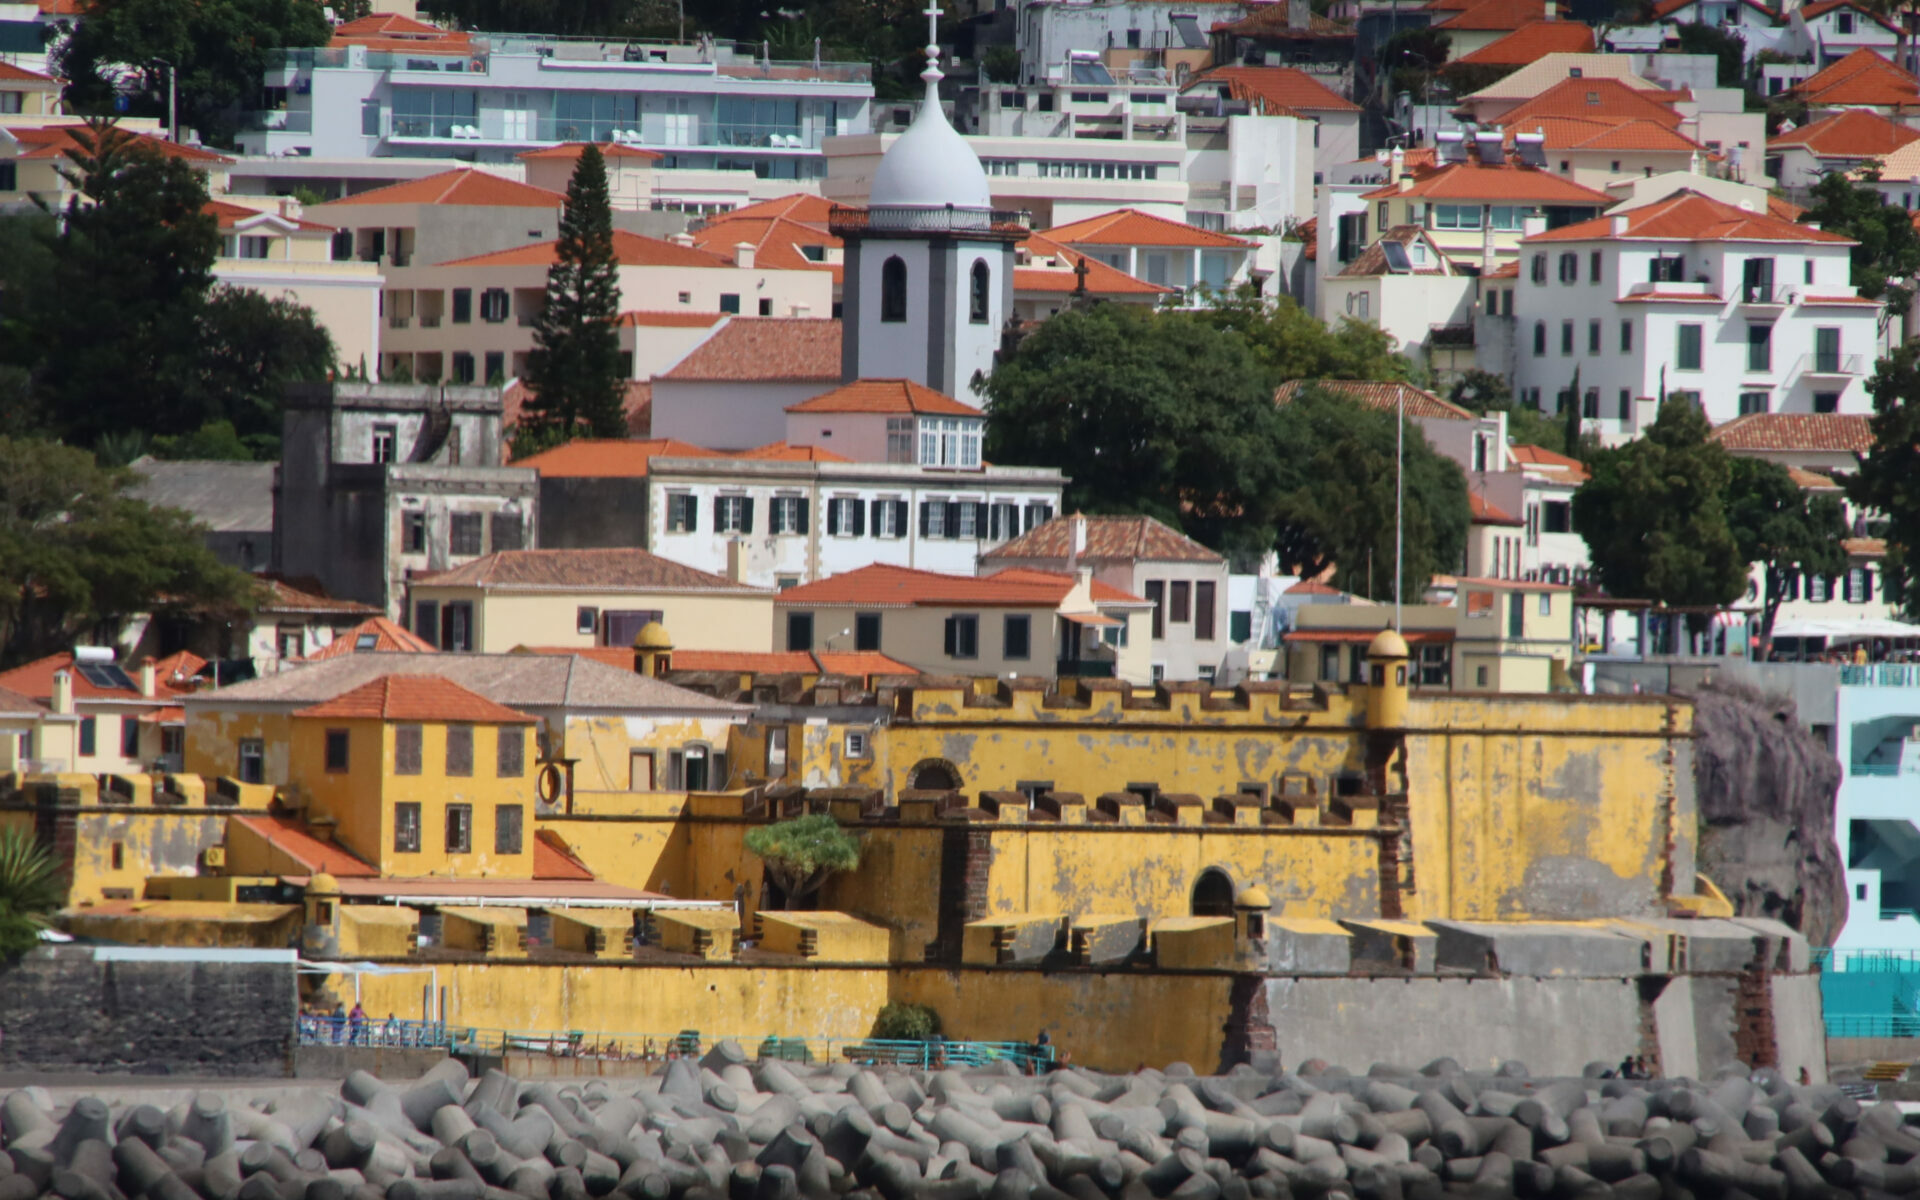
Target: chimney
1397, 167
737, 561
1078, 545
1486, 247
681, 239
1299, 14
743, 255
146, 679
62, 700
1620, 225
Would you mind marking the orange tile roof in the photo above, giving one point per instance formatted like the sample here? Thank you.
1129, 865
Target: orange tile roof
1828, 432
1667, 8
1810, 481
1373, 260
885, 396
387, 637
283, 596
1855, 133
778, 242
882, 585
572, 150
1276, 91
1471, 181
1541, 458
290, 837
593, 458
179, 668
659, 319
11, 73
1102, 280
765, 348
1494, 15
231, 215
806, 207
1384, 397
35, 679
1483, 511
1595, 99
1115, 538
629, 249
1530, 42
15, 703
1131, 227
1580, 133
453, 45
389, 25
53, 141
608, 568
1863, 78
1692, 217
554, 859
414, 698
1820, 8
782, 452
464, 186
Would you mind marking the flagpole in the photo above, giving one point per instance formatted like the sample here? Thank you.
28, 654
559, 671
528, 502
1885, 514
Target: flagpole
1399, 502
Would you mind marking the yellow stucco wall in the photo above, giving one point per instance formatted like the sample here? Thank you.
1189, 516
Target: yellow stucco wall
115, 849
697, 620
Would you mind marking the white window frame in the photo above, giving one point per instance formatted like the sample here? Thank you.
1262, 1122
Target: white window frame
730, 513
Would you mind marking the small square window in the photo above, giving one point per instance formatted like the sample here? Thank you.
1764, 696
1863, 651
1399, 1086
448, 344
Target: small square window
856, 744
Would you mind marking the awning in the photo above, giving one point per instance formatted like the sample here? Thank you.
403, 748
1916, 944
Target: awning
1844, 630
1360, 637
1090, 618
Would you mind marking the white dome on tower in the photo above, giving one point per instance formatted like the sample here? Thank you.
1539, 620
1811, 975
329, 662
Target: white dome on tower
930, 166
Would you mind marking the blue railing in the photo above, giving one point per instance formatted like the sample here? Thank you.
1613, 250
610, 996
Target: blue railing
1827, 958
1857, 1025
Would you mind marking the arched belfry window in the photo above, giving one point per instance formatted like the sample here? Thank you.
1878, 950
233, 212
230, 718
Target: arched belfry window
893, 290
981, 282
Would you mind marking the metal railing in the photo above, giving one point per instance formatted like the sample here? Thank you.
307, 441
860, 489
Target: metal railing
343, 1030
1880, 675
1830, 364
1850, 1025
1827, 958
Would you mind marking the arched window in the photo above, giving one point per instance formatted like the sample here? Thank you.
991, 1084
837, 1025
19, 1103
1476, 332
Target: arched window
977, 293
893, 290
1213, 894
933, 775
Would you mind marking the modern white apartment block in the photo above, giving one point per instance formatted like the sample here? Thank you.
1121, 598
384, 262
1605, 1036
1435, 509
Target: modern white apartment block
489, 97
1742, 311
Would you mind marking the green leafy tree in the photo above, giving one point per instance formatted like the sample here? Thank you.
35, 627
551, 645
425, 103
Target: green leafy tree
220, 49
216, 440
1292, 343
31, 890
1148, 412
803, 853
573, 372
903, 1021
1340, 506
1888, 481
251, 346
1790, 533
1653, 514
1729, 50
76, 551
1485, 392
1886, 253
116, 322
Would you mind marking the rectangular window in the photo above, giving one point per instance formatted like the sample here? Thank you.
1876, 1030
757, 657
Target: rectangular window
460, 750
889, 518
1687, 354
1626, 336
253, 754
1516, 614
496, 368
621, 626
337, 743
1593, 263
1666, 268
465, 531
386, 443
407, 740
1239, 626
1754, 402
413, 533
683, 513
459, 828
963, 637
1018, 637
1157, 596
1203, 603
900, 439
1539, 271
732, 514
866, 631
1539, 339
800, 631
854, 745
1590, 403
586, 619
846, 516
426, 621
510, 759
1569, 268
1566, 337
1556, 516
1180, 602
787, 515
1760, 346
456, 631
1593, 337
129, 737
506, 828
406, 827
729, 302
1826, 350
1626, 404
1826, 402
462, 306
462, 367
640, 770
933, 519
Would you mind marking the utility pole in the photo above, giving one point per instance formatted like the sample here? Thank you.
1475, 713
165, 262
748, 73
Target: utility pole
1399, 503
173, 107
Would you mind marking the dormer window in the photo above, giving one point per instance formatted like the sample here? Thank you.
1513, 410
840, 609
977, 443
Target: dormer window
949, 441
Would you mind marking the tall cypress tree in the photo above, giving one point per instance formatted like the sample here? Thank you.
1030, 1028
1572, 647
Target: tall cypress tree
573, 371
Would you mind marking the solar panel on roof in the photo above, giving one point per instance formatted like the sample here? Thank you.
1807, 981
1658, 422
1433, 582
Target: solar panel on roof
1397, 260
1090, 72
366, 641
106, 675
1189, 30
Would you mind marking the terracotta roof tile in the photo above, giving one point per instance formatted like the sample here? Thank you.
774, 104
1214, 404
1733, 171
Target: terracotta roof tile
764, 348
885, 396
12, 703
1595, 99
35, 679
231, 216
291, 838
414, 698
376, 635
53, 141
629, 249
1373, 260
1689, 216
903, 587
568, 151
1529, 42
1494, 15
389, 25
1810, 481
783, 452
1829, 432
465, 186
1855, 133
283, 596
617, 569
1051, 267
179, 668
554, 859
658, 319
1385, 397
1131, 227
1542, 459
1274, 21
1863, 78
1483, 511
1471, 181
1109, 538
1820, 8
778, 243
12, 73
589, 458
807, 207
1278, 91
1581, 133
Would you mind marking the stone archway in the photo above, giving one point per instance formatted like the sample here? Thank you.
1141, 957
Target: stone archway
1213, 894
933, 775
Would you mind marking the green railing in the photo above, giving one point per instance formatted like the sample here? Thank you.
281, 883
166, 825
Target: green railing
1827, 958
576, 1043
1880, 675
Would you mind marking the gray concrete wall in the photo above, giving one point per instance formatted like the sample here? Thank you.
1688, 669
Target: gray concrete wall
61, 1010
1800, 1026
1555, 1026
592, 513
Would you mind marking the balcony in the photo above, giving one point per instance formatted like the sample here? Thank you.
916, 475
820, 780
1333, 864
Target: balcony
1083, 669
397, 322
1838, 366
278, 120
1753, 295
430, 322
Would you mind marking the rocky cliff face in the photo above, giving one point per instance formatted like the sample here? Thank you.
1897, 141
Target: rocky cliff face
1766, 792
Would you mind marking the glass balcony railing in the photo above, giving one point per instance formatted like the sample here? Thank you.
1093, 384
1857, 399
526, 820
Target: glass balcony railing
279, 120
518, 128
